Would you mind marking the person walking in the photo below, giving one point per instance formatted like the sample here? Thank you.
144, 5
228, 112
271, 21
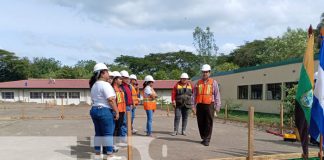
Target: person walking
182, 103
206, 98
103, 112
135, 97
149, 102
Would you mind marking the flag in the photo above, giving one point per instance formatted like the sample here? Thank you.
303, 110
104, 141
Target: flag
317, 112
304, 94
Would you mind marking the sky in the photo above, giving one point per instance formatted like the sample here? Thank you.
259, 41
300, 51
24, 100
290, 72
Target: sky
101, 30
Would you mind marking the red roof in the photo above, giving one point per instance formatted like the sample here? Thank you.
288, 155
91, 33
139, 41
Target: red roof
72, 84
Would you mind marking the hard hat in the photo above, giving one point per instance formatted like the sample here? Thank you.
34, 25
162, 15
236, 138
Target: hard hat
116, 74
110, 74
149, 78
133, 76
315, 75
99, 67
184, 75
124, 73
205, 67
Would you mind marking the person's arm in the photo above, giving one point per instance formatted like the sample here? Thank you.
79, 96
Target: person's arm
174, 94
153, 94
113, 104
217, 100
110, 94
193, 99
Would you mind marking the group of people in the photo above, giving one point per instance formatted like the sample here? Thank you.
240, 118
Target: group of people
115, 93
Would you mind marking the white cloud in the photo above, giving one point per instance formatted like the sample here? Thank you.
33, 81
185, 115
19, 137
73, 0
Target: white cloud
227, 48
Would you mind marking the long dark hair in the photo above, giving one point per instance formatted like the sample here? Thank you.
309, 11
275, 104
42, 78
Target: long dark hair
114, 80
95, 77
146, 84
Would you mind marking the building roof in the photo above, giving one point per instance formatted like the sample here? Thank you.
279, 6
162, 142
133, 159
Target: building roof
263, 66
70, 84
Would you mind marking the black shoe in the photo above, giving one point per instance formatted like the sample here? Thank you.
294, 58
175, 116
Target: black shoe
205, 142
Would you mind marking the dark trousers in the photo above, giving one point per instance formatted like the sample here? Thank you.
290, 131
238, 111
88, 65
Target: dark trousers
119, 123
181, 111
205, 117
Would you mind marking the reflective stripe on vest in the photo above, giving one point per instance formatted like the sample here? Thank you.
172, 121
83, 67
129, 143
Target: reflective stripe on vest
148, 102
205, 91
135, 96
120, 99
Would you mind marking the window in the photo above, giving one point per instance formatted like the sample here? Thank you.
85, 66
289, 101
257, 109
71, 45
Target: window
256, 91
35, 95
274, 91
243, 92
61, 95
48, 95
7, 95
74, 95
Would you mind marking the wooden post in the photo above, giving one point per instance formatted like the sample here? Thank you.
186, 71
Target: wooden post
129, 136
62, 111
281, 118
251, 133
320, 154
226, 111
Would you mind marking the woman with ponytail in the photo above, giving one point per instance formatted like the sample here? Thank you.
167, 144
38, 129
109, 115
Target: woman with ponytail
103, 112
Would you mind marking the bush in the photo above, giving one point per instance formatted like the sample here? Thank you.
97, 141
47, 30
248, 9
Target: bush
289, 106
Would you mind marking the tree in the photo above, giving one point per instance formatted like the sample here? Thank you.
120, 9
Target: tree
205, 43
161, 75
42, 66
12, 68
227, 66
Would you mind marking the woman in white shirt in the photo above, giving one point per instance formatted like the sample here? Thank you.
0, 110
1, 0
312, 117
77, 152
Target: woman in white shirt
104, 111
149, 102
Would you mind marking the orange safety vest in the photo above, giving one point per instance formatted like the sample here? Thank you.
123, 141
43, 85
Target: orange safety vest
135, 96
121, 103
148, 102
204, 92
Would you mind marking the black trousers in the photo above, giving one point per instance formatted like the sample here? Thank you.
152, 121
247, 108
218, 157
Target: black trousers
118, 124
205, 118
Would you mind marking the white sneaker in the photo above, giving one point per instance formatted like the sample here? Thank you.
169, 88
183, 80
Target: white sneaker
113, 157
115, 149
97, 157
122, 144
134, 131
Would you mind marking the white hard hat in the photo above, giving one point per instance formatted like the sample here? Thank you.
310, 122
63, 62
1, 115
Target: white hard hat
205, 67
149, 78
133, 76
184, 75
116, 74
111, 74
315, 75
124, 73
99, 67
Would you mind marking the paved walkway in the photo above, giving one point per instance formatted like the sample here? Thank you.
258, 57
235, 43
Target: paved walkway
70, 139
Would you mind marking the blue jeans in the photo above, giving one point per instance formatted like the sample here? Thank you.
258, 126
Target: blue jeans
133, 115
149, 114
124, 125
104, 124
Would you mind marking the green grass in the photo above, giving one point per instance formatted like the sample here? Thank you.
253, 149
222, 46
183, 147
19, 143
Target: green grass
243, 116
259, 118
